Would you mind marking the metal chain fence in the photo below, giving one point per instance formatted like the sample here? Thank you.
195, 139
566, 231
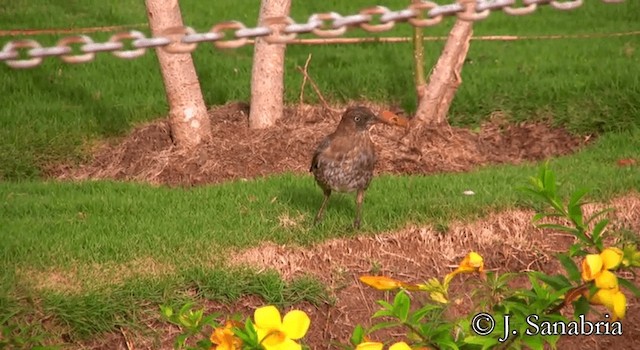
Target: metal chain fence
274, 30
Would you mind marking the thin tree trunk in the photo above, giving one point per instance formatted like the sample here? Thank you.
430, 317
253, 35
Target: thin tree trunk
190, 125
418, 58
267, 75
436, 96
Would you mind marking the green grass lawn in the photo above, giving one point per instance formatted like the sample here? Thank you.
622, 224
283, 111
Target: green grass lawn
92, 255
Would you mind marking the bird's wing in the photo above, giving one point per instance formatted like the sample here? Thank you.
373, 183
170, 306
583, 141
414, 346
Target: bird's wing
321, 148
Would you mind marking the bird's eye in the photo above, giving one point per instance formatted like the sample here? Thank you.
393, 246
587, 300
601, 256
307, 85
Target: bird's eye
357, 119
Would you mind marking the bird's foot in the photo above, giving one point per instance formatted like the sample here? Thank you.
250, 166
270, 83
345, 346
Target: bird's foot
356, 224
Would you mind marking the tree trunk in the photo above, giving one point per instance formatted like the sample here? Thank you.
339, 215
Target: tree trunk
190, 125
435, 97
267, 75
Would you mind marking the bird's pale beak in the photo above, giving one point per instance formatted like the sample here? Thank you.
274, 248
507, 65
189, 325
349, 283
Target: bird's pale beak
391, 118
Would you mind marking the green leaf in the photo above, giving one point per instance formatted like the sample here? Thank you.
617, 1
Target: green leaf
185, 308
357, 335
447, 344
550, 183
383, 325
385, 305
486, 342
167, 311
597, 214
383, 313
210, 320
552, 340
185, 321
581, 306
558, 282
401, 305
570, 266
534, 342
536, 194
576, 250
630, 286
246, 338
576, 196
598, 229
575, 214
204, 343
180, 340
538, 217
422, 312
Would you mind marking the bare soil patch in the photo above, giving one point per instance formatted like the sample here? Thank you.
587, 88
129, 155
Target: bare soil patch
82, 278
507, 240
237, 152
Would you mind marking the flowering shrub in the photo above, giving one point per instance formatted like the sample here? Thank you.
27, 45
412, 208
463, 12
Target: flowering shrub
503, 315
268, 330
507, 317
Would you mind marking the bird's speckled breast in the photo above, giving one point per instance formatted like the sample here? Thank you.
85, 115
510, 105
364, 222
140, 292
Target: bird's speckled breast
347, 164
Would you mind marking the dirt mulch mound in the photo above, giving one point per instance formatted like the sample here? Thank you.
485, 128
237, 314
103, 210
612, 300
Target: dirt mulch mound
237, 152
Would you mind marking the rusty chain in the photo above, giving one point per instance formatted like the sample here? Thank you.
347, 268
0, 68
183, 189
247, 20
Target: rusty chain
273, 30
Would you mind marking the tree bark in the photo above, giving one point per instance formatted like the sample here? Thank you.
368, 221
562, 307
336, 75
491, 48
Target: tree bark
190, 125
418, 58
436, 96
267, 75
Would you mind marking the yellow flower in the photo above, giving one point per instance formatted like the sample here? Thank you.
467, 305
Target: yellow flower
596, 267
381, 282
606, 280
471, 263
379, 346
613, 299
370, 345
594, 264
280, 334
611, 257
400, 346
591, 267
224, 339
386, 283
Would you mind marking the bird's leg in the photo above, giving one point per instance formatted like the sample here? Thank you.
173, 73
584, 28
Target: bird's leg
327, 194
359, 201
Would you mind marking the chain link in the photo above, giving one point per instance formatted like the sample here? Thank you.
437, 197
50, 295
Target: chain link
29, 53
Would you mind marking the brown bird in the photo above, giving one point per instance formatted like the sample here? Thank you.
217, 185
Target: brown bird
344, 161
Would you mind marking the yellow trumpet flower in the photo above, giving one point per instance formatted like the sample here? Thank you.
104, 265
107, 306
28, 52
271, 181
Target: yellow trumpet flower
591, 267
370, 345
386, 283
277, 333
594, 264
379, 346
400, 346
224, 339
611, 257
613, 299
472, 262
596, 267
606, 280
